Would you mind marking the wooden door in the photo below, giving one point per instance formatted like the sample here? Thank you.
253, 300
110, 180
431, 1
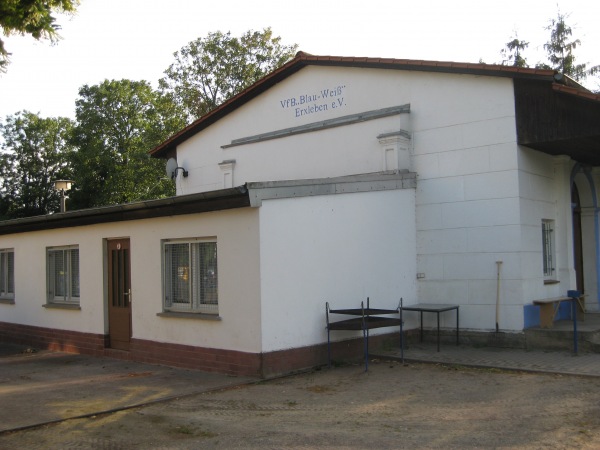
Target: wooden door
119, 294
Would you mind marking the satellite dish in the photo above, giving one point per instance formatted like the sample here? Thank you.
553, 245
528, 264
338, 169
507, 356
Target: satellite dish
172, 169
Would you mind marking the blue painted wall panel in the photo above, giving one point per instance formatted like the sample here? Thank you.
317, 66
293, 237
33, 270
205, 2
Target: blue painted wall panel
531, 316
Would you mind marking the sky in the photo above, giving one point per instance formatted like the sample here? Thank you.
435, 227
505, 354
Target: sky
136, 39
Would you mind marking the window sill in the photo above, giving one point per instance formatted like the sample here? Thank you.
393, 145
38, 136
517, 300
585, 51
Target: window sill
7, 301
189, 315
551, 282
62, 306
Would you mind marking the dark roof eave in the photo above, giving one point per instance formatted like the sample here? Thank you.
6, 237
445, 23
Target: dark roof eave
304, 59
184, 204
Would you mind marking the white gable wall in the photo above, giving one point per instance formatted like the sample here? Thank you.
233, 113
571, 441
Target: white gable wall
441, 105
463, 148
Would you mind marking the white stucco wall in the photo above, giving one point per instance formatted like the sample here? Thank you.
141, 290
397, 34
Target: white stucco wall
463, 147
339, 249
468, 203
546, 194
239, 290
30, 281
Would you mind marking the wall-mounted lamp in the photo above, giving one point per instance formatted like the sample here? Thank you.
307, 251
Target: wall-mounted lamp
62, 186
173, 167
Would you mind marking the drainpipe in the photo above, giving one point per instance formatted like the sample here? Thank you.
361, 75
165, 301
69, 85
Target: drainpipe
498, 265
597, 236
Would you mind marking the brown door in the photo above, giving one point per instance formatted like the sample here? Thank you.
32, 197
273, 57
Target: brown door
119, 294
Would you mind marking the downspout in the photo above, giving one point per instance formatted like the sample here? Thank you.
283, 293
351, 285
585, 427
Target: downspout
597, 236
498, 266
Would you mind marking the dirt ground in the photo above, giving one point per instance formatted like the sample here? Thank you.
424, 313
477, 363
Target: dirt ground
390, 406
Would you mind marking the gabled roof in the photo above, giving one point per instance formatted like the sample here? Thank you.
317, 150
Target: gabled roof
302, 60
554, 114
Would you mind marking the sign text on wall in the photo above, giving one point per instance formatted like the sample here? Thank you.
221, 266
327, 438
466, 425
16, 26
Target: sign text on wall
310, 103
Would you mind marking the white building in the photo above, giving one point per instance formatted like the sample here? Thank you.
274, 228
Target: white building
330, 180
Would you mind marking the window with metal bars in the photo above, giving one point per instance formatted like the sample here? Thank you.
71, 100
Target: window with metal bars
548, 247
7, 274
191, 276
63, 274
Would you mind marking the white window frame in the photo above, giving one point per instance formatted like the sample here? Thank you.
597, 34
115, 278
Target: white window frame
197, 292
548, 249
7, 274
69, 276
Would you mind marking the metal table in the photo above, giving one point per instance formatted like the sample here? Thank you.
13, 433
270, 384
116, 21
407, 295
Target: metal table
434, 308
365, 319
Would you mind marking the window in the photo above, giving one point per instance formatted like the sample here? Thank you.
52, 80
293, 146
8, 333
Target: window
548, 248
7, 274
63, 274
190, 276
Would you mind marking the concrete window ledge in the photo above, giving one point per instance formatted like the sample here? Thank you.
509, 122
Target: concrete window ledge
185, 315
62, 306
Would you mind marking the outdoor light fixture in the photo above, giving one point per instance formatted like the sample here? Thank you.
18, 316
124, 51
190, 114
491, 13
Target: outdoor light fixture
62, 186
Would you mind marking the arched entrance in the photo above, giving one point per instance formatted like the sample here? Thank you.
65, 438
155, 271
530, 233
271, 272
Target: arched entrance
586, 239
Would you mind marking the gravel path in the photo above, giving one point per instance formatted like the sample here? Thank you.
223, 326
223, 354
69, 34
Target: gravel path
391, 406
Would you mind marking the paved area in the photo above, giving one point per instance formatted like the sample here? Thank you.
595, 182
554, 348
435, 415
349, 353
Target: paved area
44, 387
47, 387
560, 362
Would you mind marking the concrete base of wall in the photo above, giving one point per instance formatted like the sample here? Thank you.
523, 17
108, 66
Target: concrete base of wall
559, 337
288, 361
55, 340
198, 358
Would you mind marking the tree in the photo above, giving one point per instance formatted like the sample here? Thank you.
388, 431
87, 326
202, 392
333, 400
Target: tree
513, 53
118, 122
34, 155
560, 49
208, 71
32, 17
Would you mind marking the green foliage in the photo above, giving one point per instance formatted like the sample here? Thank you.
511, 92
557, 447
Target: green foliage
208, 71
560, 49
105, 151
512, 54
34, 154
118, 122
32, 17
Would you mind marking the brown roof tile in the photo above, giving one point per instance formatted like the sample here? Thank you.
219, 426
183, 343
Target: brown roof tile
574, 91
